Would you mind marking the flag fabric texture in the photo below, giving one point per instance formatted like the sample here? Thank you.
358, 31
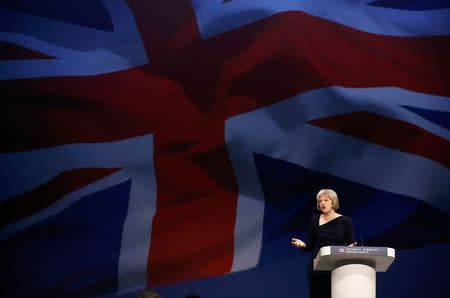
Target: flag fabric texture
179, 145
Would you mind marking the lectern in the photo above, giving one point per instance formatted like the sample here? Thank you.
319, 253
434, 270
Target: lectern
353, 269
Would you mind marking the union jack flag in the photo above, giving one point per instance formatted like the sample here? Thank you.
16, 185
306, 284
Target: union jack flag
179, 145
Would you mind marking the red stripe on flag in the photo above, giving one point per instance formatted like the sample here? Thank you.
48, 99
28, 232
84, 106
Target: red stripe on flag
193, 228
46, 194
391, 133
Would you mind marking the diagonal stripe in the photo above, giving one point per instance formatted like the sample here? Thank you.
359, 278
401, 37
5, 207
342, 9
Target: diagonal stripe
80, 50
46, 194
441, 118
391, 133
215, 18
18, 178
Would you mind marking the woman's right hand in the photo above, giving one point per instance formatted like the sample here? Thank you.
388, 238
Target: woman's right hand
298, 243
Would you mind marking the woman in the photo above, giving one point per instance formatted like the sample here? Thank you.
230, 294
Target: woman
328, 228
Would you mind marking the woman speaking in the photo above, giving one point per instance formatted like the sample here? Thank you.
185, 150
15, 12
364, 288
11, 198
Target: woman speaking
326, 229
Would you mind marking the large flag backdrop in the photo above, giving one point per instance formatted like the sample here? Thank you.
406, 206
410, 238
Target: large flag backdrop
178, 145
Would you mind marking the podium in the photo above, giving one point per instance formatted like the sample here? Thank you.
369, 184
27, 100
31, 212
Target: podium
353, 269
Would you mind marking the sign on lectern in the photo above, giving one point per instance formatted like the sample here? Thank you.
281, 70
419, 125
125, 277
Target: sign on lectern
353, 269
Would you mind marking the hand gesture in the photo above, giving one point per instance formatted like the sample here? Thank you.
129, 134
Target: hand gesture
298, 243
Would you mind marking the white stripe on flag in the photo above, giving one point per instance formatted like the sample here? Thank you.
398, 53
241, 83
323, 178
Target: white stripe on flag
215, 17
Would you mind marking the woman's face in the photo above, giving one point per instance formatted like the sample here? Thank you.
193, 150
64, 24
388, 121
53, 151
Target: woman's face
325, 204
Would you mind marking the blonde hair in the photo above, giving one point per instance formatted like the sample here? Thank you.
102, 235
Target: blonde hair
331, 194
148, 294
